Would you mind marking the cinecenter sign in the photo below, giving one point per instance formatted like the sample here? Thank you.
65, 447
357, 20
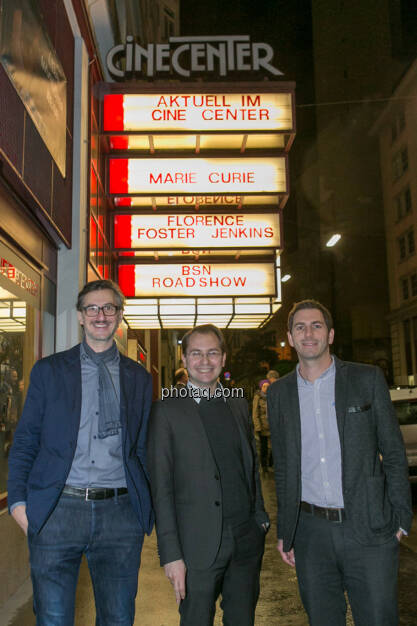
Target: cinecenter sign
197, 176
189, 280
198, 112
209, 230
184, 56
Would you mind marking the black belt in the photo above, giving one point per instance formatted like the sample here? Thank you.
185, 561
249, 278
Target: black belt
333, 515
94, 493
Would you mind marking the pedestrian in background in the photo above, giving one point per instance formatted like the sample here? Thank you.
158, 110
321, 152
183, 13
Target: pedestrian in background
180, 378
77, 478
261, 424
272, 376
341, 477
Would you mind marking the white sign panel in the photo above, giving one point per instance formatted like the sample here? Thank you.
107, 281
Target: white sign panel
196, 230
198, 176
208, 279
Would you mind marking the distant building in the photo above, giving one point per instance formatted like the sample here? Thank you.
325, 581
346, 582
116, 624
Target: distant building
397, 131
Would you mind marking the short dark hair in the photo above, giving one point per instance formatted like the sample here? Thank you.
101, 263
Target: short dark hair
97, 285
310, 304
204, 329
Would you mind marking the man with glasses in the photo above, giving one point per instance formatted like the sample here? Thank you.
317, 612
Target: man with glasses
77, 477
210, 517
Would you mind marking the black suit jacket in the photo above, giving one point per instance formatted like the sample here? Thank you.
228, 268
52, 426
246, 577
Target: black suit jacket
375, 484
185, 481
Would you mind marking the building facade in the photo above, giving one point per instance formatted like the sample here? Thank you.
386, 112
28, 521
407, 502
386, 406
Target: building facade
396, 129
54, 219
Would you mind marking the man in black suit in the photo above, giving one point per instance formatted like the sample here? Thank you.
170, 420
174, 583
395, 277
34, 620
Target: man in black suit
341, 477
210, 517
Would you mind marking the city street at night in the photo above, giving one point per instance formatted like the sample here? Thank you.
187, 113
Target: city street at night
279, 602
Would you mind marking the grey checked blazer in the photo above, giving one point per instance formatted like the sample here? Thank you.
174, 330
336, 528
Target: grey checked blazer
375, 484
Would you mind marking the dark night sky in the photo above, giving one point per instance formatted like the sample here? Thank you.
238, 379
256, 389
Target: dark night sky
284, 24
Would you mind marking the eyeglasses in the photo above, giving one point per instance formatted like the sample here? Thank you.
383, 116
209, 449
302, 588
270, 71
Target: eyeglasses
198, 355
92, 310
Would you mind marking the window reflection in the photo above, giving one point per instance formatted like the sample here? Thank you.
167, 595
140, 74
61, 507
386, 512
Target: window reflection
17, 332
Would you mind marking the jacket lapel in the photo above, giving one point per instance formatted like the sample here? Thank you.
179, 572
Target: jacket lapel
294, 410
246, 449
340, 397
72, 381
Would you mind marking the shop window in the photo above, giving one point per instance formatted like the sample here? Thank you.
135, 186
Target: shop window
20, 318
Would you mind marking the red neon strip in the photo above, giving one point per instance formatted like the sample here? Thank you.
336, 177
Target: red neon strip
119, 142
113, 112
122, 231
123, 201
118, 176
127, 280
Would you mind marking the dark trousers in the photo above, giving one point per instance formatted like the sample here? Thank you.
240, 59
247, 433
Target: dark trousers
265, 452
329, 560
234, 574
109, 534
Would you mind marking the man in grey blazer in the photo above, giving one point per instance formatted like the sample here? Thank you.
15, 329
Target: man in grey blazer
341, 478
210, 517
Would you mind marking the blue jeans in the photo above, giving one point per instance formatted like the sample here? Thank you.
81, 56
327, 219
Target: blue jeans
109, 534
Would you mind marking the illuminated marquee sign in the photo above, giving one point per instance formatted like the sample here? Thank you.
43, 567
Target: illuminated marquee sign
198, 112
197, 176
192, 201
191, 55
196, 230
203, 279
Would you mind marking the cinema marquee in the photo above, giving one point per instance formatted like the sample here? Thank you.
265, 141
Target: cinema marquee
198, 172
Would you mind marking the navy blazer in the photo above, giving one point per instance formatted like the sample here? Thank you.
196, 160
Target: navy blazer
46, 436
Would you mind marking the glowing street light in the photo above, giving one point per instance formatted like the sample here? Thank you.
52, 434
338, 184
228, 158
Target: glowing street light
333, 240
285, 278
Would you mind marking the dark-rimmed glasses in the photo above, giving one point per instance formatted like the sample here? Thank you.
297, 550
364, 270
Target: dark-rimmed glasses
92, 310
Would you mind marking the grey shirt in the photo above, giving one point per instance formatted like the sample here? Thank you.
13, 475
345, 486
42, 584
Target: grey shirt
97, 462
321, 461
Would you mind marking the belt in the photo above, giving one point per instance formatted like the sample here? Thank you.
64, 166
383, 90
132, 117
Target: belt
333, 515
93, 493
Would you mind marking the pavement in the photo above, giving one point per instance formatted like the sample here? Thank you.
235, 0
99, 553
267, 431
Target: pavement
279, 602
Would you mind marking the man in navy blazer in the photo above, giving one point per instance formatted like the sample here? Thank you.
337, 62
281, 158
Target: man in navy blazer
77, 470
341, 476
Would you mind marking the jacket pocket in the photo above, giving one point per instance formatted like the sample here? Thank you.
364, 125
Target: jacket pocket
379, 508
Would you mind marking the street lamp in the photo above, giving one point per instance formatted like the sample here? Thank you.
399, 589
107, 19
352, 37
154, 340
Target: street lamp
285, 278
333, 240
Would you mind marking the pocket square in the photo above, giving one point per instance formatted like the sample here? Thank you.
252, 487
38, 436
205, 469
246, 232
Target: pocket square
358, 409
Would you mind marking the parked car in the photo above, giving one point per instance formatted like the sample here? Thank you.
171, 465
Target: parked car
404, 400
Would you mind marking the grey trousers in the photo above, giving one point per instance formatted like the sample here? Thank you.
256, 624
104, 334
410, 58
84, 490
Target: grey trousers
329, 561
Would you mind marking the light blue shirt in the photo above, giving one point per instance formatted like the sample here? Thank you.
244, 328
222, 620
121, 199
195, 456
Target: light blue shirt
97, 462
321, 461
